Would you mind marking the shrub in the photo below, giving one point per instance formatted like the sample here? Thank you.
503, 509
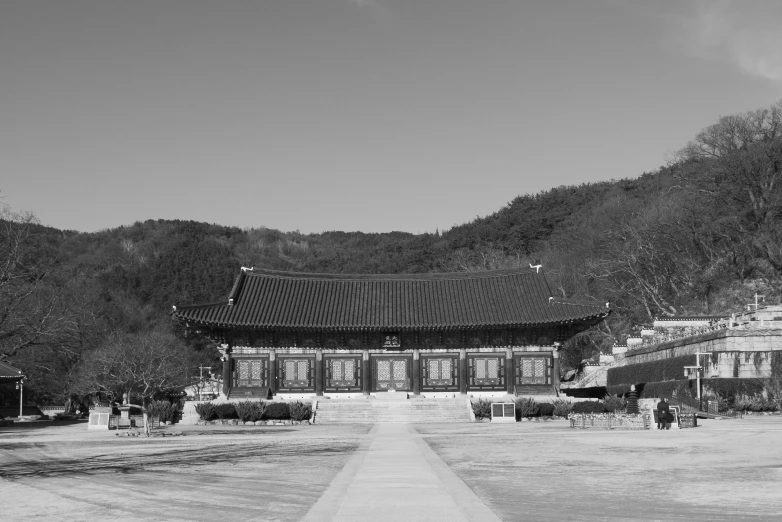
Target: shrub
168, 412
256, 411
163, 410
482, 409
588, 407
153, 408
757, 403
729, 389
562, 407
545, 409
247, 410
277, 411
205, 410
300, 411
614, 403
526, 407
225, 411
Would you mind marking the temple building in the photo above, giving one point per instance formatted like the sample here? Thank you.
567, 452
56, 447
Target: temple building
296, 334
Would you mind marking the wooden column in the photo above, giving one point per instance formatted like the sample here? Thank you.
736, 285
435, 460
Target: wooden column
510, 372
366, 377
227, 372
273, 372
416, 372
555, 367
319, 373
463, 377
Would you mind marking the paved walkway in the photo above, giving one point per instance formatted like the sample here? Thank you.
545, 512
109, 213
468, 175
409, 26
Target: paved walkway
395, 476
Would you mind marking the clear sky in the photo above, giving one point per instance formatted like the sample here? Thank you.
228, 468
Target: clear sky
371, 115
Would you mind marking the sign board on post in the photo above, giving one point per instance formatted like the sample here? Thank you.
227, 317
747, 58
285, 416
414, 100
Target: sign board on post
503, 412
675, 421
99, 421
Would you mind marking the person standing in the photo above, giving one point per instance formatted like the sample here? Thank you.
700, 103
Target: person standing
662, 414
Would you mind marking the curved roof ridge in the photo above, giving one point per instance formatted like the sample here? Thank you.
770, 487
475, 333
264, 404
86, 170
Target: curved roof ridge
8, 371
200, 305
577, 302
265, 272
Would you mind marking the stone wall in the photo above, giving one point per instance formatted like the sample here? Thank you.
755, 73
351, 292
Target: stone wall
736, 353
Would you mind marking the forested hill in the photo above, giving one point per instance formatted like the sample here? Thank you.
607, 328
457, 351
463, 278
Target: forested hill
699, 236
167, 261
163, 262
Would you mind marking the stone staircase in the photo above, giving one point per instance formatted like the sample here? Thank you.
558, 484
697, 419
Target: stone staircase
397, 409
248, 393
535, 390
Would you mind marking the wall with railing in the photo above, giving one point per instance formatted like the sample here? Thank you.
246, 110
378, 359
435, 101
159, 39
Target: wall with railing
610, 421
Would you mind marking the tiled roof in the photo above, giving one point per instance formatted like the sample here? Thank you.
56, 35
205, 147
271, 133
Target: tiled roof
9, 373
692, 318
269, 299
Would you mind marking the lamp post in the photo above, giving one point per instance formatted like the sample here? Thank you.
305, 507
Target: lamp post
20, 387
698, 369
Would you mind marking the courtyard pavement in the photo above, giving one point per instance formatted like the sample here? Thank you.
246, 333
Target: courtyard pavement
722, 471
395, 476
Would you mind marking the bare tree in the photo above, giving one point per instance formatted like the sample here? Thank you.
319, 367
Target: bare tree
31, 302
735, 165
136, 363
646, 256
487, 258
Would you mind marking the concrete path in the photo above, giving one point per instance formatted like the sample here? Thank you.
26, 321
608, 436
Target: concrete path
395, 476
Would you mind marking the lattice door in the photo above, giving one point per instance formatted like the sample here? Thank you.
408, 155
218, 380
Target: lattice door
383, 374
342, 372
251, 373
533, 370
391, 374
439, 372
399, 373
487, 371
296, 373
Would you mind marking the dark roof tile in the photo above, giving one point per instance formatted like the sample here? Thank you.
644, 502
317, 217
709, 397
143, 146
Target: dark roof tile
285, 300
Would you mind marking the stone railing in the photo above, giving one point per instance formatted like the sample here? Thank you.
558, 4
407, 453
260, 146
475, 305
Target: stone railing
51, 411
610, 421
658, 338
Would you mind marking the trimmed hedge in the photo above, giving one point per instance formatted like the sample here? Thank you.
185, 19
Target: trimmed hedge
593, 392
731, 388
277, 411
725, 388
671, 369
545, 409
588, 407
225, 410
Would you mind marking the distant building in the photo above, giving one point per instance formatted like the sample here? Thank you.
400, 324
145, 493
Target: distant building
687, 321
297, 334
9, 374
740, 345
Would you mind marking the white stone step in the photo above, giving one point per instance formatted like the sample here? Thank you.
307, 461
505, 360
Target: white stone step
392, 411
